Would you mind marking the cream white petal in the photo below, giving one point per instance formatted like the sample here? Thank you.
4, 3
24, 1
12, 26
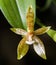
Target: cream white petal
39, 47
18, 31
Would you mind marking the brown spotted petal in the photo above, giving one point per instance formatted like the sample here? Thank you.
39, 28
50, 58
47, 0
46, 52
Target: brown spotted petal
41, 30
22, 49
18, 31
39, 47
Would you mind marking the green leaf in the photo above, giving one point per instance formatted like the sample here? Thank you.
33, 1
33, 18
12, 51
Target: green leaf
23, 6
39, 47
52, 34
22, 49
10, 11
47, 4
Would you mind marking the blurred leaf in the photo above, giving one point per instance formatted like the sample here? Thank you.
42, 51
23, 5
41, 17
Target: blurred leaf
23, 6
10, 11
52, 34
39, 48
54, 2
22, 49
47, 4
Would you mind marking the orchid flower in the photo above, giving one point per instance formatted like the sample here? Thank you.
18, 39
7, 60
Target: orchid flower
30, 37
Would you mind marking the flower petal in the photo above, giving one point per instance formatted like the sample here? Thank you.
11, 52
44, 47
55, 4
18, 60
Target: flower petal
42, 30
39, 47
30, 20
22, 49
18, 31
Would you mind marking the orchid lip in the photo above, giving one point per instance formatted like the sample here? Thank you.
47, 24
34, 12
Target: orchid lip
30, 42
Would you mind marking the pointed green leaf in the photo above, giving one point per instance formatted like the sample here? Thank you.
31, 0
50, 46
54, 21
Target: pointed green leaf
23, 6
42, 30
52, 34
39, 47
22, 49
10, 11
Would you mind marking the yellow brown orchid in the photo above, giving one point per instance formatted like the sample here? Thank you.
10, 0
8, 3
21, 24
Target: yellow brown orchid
30, 37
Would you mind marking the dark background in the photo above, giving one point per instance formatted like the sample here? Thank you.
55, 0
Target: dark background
9, 42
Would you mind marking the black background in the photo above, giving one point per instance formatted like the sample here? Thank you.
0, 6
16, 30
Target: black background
9, 42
